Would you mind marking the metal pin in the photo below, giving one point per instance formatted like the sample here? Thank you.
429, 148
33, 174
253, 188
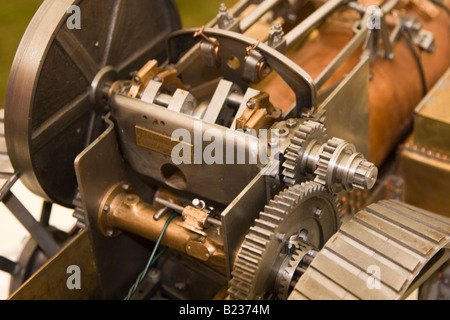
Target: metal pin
252, 48
160, 213
200, 33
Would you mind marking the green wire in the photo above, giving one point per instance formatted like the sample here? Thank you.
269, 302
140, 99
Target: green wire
151, 261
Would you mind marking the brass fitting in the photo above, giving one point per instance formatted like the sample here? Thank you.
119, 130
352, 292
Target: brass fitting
122, 210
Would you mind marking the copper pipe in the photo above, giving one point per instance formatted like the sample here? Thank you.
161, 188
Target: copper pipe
125, 211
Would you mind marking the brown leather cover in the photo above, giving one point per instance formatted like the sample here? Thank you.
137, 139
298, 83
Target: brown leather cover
395, 89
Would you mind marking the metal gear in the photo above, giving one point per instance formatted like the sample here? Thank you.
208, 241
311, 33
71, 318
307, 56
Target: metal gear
341, 167
325, 158
293, 266
305, 211
308, 136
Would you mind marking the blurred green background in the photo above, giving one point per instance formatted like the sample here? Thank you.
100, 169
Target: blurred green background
15, 16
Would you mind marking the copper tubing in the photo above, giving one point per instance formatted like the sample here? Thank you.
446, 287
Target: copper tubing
122, 211
395, 89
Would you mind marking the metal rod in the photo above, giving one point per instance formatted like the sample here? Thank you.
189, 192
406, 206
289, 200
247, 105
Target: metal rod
256, 14
7, 265
8, 185
163, 99
214, 222
171, 205
240, 7
388, 6
313, 21
356, 41
160, 213
43, 238
236, 10
45, 213
235, 99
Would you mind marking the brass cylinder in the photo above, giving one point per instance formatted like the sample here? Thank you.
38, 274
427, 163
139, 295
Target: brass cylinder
125, 211
395, 89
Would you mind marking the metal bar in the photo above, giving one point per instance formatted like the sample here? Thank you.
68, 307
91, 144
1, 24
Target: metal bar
43, 238
388, 6
214, 222
170, 205
313, 20
236, 10
256, 14
60, 120
388, 46
8, 185
240, 7
235, 99
7, 265
160, 213
45, 213
78, 53
356, 41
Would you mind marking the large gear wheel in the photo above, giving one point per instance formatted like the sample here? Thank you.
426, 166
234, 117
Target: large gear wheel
308, 135
305, 211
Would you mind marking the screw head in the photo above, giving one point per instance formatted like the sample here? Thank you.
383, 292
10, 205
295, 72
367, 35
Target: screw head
137, 80
318, 213
251, 104
291, 123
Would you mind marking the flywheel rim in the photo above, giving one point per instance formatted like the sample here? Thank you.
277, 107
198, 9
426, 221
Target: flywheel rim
48, 103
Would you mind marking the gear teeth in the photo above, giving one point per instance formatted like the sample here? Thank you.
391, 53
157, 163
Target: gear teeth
286, 277
306, 133
269, 226
261, 232
324, 160
321, 174
279, 203
256, 241
260, 237
289, 161
253, 250
365, 175
270, 217
274, 211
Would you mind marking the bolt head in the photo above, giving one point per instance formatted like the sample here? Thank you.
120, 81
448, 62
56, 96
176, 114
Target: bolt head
251, 104
291, 123
137, 80
318, 213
